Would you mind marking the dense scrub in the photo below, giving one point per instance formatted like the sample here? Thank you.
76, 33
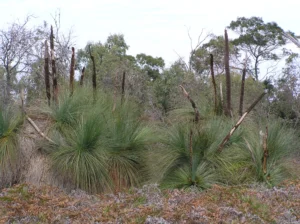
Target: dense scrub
105, 143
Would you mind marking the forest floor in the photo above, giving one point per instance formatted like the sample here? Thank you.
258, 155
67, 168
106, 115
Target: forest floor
25, 203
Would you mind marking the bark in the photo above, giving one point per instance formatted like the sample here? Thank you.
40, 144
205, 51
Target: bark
197, 114
82, 76
222, 98
226, 139
54, 75
123, 87
72, 70
214, 82
22, 101
242, 92
47, 73
227, 74
94, 73
256, 68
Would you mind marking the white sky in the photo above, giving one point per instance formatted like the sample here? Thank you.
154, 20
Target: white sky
156, 27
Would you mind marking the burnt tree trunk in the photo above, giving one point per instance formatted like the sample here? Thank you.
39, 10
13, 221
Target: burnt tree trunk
47, 73
242, 92
213, 81
227, 74
82, 76
72, 70
123, 87
53, 65
94, 73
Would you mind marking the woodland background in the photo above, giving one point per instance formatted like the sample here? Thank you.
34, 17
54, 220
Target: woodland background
102, 121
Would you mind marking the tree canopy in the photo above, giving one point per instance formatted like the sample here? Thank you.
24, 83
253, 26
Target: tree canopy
261, 40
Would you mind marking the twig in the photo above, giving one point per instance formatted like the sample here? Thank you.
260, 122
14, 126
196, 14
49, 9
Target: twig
291, 38
31, 121
197, 114
38, 130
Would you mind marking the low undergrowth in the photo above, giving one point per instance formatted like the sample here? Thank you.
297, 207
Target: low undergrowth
220, 204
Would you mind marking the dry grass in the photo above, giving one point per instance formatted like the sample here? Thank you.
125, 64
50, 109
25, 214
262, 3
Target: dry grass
29, 204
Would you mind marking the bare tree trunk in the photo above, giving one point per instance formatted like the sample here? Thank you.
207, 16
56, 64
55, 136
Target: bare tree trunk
226, 139
82, 76
256, 68
54, 75
72, 70
213, 81
94, 73
222, 98
47, 73
227, 74
242, 92
123, 87
197, 114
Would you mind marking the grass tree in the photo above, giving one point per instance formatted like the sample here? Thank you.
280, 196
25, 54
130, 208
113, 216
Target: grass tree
281, 144
96, 148
174, 165
10, 122
127, 142
79, 157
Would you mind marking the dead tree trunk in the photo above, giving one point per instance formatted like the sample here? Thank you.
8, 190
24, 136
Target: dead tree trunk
227, 74
72, 70
197, 114
213, 81
82, 76
54, 75
123, 87
47, 73
94, 73
242, 92
226, 139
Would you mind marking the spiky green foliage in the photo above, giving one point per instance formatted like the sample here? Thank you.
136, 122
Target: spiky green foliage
101, 148
10, 121
128, 139
79, 157
281, 144
68, 109
176, 167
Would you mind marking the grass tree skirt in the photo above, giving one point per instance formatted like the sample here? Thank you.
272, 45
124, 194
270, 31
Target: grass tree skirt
34, 165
